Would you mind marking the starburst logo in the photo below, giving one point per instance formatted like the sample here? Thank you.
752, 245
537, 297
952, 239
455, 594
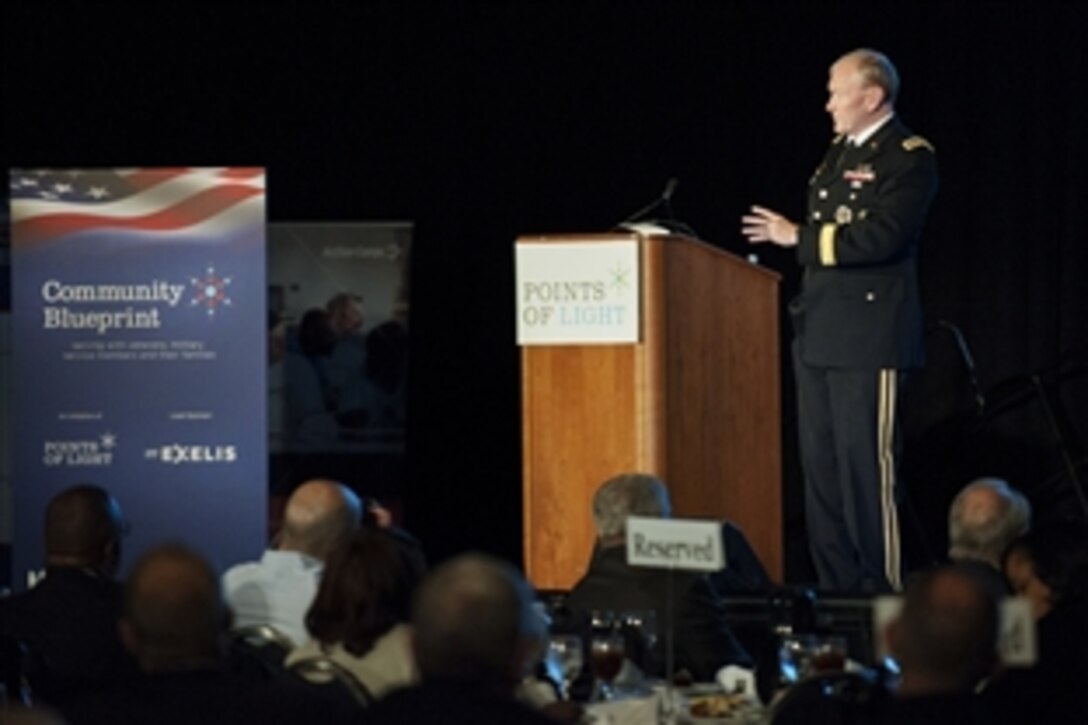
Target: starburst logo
619, 278
210, 291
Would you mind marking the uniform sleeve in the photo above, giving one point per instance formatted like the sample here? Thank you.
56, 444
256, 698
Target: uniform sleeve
889, 224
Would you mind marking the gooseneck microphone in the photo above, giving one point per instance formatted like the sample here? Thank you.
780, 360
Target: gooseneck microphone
670, 187
665, 198
658, 225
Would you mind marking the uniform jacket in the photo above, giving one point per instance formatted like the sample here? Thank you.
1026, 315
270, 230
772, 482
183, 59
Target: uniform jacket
859, 304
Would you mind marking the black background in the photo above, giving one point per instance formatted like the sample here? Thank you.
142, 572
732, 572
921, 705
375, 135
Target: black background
482, 121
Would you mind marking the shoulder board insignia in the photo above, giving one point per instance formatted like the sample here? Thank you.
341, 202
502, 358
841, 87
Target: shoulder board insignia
917, 142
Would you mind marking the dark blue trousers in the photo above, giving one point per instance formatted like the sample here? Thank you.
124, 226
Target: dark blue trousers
850, 442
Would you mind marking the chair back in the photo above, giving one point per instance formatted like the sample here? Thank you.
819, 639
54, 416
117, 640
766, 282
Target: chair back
258, 651
842, 698
321, 671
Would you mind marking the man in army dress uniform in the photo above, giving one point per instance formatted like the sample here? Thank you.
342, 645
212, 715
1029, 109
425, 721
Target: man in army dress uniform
857, 321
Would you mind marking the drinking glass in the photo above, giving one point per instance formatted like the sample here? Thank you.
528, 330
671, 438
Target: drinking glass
804, 655
566, 651
602, 621
606, 655
642, 622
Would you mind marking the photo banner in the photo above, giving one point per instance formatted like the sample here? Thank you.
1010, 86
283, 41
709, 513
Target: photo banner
139, 354
338, 295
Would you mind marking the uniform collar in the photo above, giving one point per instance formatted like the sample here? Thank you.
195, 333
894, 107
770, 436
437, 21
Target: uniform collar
869, 132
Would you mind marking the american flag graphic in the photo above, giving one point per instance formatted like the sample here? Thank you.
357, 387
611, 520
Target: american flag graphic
48, 204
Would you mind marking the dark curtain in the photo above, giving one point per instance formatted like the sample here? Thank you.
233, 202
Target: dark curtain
481, 121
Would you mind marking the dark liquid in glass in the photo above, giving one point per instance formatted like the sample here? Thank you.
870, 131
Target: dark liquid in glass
606, 664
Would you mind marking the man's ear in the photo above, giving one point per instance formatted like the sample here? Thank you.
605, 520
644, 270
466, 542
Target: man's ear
874, 98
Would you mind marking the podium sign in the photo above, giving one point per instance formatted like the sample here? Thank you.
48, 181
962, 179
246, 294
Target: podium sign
689, 391
577, 292
675, 544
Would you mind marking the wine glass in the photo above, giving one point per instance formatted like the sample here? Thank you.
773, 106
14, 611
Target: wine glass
606, 654
566, 651
641, 627
802, 656
602, 621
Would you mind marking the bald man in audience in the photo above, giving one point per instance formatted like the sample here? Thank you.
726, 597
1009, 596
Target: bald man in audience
68, 622
985, 517
278, 589
475, 638
945, 641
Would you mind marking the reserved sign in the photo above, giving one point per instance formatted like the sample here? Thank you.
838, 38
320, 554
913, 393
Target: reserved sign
675, 544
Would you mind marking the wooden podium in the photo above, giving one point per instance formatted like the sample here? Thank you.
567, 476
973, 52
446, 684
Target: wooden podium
696, 401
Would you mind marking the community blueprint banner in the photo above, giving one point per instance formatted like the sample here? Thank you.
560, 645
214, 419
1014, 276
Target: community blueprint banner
139, 353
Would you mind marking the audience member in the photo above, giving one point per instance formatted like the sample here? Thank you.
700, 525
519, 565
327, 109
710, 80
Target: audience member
1049, 566
945, 641
743, 571
359, 618
68, 622
703, 640
174, 621
278, 589
475, 638
985, 517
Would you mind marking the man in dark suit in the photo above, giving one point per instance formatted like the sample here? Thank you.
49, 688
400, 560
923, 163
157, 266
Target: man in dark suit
984, 519
703, 641
173, 621
857, 321
67, 623
945, 641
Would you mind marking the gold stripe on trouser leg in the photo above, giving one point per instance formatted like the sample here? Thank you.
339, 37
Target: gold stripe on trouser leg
886, 454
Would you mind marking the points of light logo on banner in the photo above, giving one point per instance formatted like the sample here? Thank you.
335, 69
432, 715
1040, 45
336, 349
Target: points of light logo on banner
74, 453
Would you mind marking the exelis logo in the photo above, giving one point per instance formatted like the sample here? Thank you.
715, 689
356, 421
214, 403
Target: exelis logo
80, 453
176, 454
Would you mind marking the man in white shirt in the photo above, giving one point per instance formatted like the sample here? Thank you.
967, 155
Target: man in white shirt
278, 589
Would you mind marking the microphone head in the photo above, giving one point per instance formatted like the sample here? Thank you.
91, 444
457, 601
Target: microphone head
670, 187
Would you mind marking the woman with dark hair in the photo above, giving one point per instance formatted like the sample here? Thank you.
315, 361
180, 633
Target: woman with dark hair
1049, 566
359, 617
